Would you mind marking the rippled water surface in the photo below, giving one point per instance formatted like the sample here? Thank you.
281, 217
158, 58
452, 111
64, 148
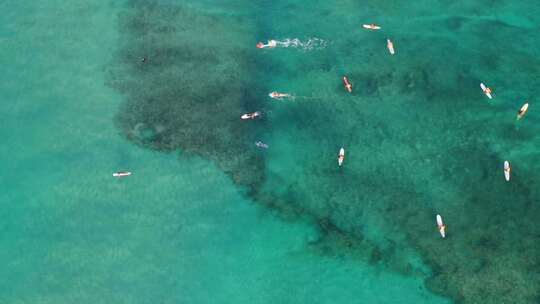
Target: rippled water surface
158, 88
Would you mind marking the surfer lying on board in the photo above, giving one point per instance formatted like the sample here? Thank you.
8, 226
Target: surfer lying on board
348, 85
441, 226
390, 46
371, 26
341, 156
522, 111
486, 90
276, 95
507, 170
121, 174
251, 115
270, 44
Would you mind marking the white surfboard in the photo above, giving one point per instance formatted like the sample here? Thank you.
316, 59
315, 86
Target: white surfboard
250, 115
371, 26
341, 156
484, 89
507, 170
522, 111
277, 95
441, 226
390, 46
121, 174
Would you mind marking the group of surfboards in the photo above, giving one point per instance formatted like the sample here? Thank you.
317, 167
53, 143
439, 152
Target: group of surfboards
522, 111
348, 87
506, 167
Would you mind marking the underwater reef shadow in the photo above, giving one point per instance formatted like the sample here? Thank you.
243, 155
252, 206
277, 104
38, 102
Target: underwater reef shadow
184, 89
490, 254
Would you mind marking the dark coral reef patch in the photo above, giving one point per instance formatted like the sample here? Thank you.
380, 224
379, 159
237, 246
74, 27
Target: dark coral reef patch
428, 138
183, 77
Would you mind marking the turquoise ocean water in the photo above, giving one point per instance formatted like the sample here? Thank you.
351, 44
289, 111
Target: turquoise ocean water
207, 217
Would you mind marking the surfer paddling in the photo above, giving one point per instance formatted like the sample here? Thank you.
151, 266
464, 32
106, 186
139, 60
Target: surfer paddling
390, 46
121, 174
347, 84
441, 226
276, 95
341, 156
522, 111
271, 44
251, 115
507, 170
486, 90
372, 27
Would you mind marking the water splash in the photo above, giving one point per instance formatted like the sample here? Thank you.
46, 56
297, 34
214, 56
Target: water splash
309, 44
293, 97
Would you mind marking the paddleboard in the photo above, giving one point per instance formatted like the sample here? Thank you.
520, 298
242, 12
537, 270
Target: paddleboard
390, 46
277, 95
507, 170
522, 111
270, 44
371, 26
341, 156
250, 115
121, 174
347, 84
441, 226
484, 89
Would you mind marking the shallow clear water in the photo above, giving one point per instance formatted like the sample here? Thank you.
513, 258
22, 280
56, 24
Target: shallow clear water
207, 217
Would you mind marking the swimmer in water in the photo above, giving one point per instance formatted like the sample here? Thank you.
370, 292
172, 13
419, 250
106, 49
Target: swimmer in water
260, 144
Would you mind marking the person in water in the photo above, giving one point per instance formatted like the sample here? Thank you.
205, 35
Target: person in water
277, 95
260, 144
271, 44
442, 228
348, 85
